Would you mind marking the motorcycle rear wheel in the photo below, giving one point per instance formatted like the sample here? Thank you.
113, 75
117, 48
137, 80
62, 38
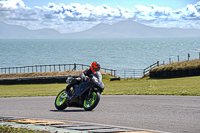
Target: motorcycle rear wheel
91, 103
60, 103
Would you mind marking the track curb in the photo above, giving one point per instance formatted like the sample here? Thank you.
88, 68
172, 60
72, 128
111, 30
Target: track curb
61, 126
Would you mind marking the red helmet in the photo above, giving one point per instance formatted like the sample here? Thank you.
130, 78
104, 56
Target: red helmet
95, 66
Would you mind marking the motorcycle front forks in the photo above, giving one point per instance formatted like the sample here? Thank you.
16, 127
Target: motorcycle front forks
90, 94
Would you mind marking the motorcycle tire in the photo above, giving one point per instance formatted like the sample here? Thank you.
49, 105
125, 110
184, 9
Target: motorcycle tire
60, 103
90, 104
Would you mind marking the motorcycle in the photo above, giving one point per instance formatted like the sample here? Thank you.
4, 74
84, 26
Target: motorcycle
85, 95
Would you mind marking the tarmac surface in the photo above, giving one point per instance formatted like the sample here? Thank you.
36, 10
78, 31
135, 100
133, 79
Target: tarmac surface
176, 114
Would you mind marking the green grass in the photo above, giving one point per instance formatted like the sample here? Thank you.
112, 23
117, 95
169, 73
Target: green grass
7, 129
30, 90
176, 86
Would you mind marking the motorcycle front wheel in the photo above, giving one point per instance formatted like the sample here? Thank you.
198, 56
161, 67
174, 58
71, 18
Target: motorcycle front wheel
90, 103
60, 103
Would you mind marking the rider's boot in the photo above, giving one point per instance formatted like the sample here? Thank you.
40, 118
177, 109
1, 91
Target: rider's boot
67, 95
67, 89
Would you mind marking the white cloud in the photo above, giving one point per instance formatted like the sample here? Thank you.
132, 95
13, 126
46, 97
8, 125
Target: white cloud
76, 17
12, 4
191, 12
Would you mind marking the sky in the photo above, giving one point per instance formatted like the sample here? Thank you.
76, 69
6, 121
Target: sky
174, 4
67, 16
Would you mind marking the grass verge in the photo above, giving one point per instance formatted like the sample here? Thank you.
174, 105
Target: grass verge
177, 86
7, 129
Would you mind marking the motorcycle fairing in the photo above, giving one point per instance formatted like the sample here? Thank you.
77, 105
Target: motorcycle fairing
76, 101
82, 88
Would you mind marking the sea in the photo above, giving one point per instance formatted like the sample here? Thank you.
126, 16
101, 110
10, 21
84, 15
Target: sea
118, 54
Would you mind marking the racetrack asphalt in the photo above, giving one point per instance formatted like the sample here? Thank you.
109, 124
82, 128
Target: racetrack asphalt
176, 114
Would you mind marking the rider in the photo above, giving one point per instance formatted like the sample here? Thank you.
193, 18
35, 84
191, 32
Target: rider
95, 66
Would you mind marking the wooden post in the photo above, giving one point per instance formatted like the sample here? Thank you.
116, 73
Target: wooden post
40, 68
188, 56
178, 58
199, 55
158, 63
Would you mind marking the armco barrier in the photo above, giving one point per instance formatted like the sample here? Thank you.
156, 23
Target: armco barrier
175, 73
34, 80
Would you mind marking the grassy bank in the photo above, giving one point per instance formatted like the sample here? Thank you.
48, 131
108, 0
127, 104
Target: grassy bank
183, 65
176, 86
177, 69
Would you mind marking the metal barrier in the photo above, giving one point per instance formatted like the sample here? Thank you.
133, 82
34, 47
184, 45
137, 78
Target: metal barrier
127, 73
131, 73
49, 68
146, 70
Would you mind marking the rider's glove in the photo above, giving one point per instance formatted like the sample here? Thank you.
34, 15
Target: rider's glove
85, 78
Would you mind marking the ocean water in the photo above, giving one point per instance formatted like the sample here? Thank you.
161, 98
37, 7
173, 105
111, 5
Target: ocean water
116, 54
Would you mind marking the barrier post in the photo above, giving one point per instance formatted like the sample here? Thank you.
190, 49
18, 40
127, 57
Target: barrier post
188, 56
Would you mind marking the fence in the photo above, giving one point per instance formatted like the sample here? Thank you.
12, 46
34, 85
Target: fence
130, 73
188, 57
136, 73
146, 70
127, 73
49, 68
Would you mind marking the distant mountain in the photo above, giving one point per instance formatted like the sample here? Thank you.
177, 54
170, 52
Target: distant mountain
123, 29
131, 29
16, 32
